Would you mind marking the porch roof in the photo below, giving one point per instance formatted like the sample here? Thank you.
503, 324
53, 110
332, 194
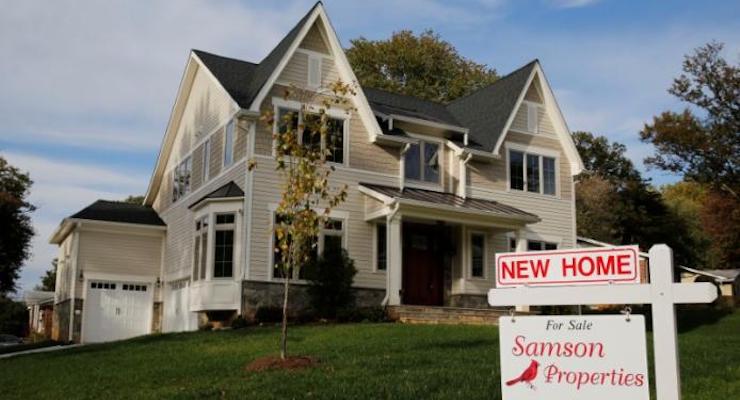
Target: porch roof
450, 202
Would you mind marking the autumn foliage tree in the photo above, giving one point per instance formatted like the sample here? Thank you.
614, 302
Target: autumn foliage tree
15, 224
421, 65
307, 197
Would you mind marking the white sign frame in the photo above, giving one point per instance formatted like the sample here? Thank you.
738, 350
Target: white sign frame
551, 267
661, 293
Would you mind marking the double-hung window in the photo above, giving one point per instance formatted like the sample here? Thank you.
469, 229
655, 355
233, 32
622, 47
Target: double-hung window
331, 145
330, 239
229, 143
422, 162
477, 255
181, 179
200, 248
223, 246
533, 173
381, 245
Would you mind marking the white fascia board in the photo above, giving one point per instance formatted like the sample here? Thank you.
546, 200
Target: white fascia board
92, 223
431, 124
376, 195
186, 82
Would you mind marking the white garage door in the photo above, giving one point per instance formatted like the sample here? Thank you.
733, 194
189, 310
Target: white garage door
178, 317
116, 310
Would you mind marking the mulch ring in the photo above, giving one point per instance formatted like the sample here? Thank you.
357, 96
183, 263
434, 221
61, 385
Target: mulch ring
276, 363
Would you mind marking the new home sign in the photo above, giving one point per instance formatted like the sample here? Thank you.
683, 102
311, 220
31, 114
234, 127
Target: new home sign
573, 357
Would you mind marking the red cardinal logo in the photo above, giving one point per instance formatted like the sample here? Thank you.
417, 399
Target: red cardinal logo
527, 376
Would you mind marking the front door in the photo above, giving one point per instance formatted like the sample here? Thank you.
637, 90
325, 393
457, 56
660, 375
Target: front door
423, 278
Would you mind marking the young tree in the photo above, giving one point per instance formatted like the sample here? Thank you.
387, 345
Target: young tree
302, 152
15, 224
704, 147
423, 66
49, 280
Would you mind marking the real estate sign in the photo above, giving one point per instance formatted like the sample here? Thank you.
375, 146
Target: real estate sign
568, 267
574, 357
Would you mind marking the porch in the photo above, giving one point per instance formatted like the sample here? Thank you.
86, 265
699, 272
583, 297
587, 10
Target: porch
440, 247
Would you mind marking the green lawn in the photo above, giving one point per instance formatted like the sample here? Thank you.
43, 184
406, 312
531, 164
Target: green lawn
357, 361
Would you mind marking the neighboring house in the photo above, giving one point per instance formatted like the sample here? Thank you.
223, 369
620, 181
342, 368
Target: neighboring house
727, 280
434, 192
40, 305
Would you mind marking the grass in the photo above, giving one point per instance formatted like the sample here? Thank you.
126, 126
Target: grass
357, 361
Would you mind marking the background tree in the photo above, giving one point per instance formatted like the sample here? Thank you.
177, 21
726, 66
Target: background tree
306, 198
423, 66
131, 199
703, 143
703, 146
615, 204
49, 280
15, 224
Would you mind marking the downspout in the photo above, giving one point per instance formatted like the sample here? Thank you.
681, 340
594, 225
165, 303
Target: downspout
395, 205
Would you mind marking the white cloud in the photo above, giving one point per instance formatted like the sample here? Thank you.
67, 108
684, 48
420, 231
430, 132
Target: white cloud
572, 3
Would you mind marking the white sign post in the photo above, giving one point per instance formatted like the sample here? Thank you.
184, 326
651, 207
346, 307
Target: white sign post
661, 293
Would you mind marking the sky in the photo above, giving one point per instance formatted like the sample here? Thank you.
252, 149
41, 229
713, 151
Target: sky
86, 87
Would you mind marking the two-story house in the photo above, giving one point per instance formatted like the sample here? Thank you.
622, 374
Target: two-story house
435, 191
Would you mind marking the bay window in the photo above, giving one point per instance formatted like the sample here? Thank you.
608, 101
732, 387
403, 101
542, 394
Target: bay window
223, 246
200, 248
533, 173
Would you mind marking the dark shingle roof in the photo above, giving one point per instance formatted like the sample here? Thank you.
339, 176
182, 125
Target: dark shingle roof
227, 191
409, 106
451, 200
242, 79
485, 111
116, 211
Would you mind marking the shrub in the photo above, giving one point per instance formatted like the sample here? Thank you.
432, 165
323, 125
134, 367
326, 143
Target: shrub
268, 314
362, 314
239, 322
330, 278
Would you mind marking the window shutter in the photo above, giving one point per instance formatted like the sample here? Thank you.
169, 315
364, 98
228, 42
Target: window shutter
314, 71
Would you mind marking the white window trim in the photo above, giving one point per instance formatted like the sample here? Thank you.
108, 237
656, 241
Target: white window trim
534, 151
375, 247
295, 106
210, 211
534, 236
422, 184
313, 58
469, 257
272, 208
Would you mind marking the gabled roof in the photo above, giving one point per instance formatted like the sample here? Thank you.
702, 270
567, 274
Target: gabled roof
228, 191
436, 199
116, 211
242, 79
486, 111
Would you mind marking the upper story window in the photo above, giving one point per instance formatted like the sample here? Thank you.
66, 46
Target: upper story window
206, 160
333, 141
229, 143
532, 172
181, 179
422, 162
314, 71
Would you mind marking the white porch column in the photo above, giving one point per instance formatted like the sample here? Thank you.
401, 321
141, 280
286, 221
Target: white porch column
394, 258
521, 245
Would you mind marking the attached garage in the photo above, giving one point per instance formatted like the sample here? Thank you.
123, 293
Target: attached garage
177, 315
109, 273
116, 310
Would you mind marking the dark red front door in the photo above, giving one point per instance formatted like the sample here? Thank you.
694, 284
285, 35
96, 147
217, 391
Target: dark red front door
422, 266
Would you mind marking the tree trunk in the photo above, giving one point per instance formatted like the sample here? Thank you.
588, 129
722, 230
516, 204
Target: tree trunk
284, 337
